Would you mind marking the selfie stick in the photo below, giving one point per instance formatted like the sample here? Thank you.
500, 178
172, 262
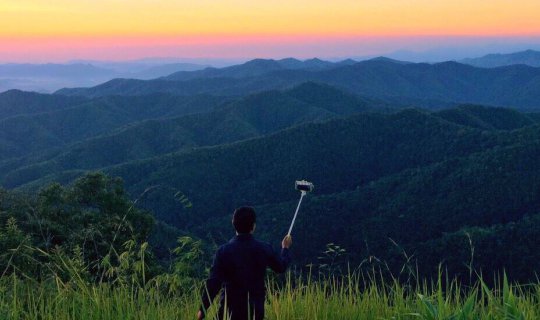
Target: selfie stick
296, 213
304, 187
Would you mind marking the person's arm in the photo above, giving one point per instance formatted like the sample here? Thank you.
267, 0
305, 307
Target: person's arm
213, 284
280, 262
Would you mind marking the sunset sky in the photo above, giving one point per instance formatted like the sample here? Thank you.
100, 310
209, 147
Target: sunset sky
60, 30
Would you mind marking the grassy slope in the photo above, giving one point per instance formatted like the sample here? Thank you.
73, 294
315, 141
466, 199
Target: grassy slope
298, 300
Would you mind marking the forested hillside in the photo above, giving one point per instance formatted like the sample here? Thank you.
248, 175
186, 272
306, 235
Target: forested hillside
430, 213
485, 118
395, 184
16, 102
65, 122
248, 117
398, 182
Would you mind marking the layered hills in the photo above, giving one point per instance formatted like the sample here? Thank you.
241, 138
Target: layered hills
515, 85
393, 180
95, 141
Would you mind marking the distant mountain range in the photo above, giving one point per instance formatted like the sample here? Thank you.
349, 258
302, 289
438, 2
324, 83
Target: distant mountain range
447, 82
259, 67
528, 57
51, 77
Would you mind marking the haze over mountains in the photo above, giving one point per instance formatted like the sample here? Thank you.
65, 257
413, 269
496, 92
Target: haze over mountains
414, 83
527, 57
412, 152
50, 77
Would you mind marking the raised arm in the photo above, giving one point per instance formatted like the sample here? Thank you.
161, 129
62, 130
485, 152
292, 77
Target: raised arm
279, 262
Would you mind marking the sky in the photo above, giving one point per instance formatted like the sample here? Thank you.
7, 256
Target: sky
63, 30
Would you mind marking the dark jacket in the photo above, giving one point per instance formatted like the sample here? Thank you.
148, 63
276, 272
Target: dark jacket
240, 267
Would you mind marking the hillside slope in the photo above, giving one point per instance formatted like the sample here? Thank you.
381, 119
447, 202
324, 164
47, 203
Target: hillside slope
249, 117
16, 102
486, 118
409, 182
338, 155
62, 123
420, 210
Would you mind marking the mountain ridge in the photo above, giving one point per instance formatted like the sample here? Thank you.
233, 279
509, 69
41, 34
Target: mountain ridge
527, 57
517, 86
251, 116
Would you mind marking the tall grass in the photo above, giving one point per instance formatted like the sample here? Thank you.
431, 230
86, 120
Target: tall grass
351, 297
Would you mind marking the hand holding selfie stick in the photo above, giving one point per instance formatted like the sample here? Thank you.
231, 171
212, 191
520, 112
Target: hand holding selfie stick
304, 187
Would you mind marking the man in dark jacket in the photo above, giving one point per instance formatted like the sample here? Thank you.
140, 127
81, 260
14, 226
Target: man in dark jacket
240, 267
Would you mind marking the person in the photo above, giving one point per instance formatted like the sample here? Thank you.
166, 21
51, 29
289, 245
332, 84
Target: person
239, 268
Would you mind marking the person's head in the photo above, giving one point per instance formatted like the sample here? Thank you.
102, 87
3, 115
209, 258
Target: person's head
244, 220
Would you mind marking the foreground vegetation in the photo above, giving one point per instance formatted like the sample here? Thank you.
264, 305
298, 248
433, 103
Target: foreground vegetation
83, 252
301, 299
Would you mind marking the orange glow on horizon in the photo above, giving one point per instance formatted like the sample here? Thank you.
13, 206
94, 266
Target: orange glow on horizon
61, 25
166, 18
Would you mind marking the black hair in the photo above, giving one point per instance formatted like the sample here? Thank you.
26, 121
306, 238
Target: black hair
244, 219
